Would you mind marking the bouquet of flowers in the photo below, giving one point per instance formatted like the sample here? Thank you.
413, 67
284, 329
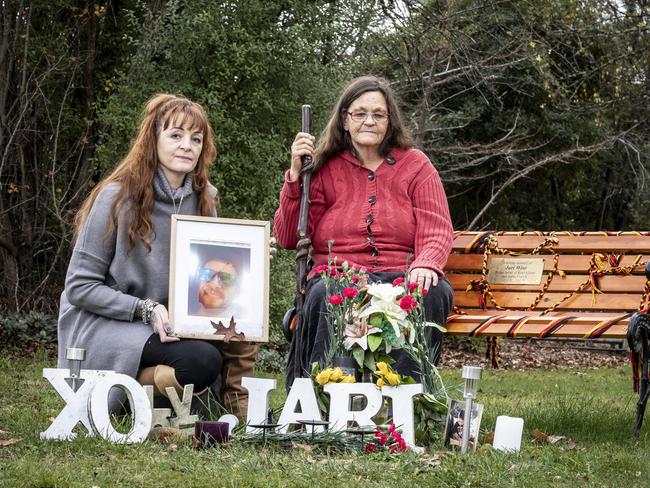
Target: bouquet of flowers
366, 322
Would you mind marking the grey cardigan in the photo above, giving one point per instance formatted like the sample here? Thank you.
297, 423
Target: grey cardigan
105, 280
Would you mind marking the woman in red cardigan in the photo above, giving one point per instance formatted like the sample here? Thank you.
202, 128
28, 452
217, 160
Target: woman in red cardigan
380, 201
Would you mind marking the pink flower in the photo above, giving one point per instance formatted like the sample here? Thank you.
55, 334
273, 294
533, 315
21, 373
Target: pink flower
398, 281
372, 447
391, 429
413, 286
407, 303
424, 292
382, 438
355, 278
336, 299
350, 292
334, 273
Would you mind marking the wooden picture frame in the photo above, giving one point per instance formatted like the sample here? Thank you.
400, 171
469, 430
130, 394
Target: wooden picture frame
219, 278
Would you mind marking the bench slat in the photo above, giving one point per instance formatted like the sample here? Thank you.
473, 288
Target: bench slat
573, 243
608, 284
463, 325
567, 263
580, 301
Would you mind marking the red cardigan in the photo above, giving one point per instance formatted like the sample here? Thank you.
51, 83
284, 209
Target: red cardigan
402, 206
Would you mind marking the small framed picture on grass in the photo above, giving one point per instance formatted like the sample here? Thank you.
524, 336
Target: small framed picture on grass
219, 278
456, 421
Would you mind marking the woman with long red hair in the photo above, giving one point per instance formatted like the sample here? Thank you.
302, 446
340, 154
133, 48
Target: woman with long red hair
115, 300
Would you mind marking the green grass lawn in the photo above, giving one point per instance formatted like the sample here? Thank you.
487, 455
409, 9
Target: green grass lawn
593, 407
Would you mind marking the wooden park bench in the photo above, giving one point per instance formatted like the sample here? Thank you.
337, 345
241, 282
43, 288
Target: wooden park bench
553, 284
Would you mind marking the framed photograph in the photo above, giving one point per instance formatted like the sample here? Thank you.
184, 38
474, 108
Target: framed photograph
219, 278
456, 422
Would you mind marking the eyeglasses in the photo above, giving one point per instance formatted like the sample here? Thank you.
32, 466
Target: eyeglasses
379, 117
225, 279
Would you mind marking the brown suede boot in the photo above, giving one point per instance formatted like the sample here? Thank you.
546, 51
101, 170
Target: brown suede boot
160, 377
238, 361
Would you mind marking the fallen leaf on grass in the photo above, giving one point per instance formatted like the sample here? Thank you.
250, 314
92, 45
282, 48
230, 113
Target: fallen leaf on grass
169, 435
489, 438
433, 461
554, 439
570, 445
9, 442
566, 443
548, 439
304, 447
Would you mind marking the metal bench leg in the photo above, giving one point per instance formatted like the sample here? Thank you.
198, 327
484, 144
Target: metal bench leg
644, 391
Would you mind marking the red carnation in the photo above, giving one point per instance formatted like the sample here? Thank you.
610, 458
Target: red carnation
398, 281
413, 286
355, 278
424, 292
322, 268
336, 299
350, 292
407, 303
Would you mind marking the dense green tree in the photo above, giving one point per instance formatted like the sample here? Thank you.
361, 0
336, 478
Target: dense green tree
532, 111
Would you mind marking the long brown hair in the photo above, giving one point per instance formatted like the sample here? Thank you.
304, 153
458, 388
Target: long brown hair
335, 138
136, 171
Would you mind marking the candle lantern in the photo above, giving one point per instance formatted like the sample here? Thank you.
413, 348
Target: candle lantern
75, 357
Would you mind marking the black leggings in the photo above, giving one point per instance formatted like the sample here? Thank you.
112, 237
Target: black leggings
195, 361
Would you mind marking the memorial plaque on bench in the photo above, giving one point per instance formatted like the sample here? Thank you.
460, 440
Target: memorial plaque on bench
508, 271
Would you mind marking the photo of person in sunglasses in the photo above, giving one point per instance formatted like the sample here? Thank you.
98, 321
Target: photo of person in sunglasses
216, 283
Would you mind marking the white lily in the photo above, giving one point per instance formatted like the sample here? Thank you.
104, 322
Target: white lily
391, 310
385, 291
357, 333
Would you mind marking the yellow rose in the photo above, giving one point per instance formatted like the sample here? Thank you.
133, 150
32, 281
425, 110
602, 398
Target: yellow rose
380, 382
324, 376
393, 379
337, 374
382, 367
348, 378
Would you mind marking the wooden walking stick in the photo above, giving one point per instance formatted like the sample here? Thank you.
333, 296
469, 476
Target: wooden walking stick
304, 242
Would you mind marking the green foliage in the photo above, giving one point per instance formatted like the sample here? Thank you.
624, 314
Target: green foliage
252, 65
528, 110
28, 330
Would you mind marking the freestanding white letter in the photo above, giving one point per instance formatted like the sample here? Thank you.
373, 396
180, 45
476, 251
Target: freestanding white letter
340, 413
402, 397
140, 409
76, 408
302, 392
258, 400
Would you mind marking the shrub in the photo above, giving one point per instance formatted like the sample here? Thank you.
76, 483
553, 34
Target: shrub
28, 329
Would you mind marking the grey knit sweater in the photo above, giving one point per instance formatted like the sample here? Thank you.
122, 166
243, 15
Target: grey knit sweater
105, 280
